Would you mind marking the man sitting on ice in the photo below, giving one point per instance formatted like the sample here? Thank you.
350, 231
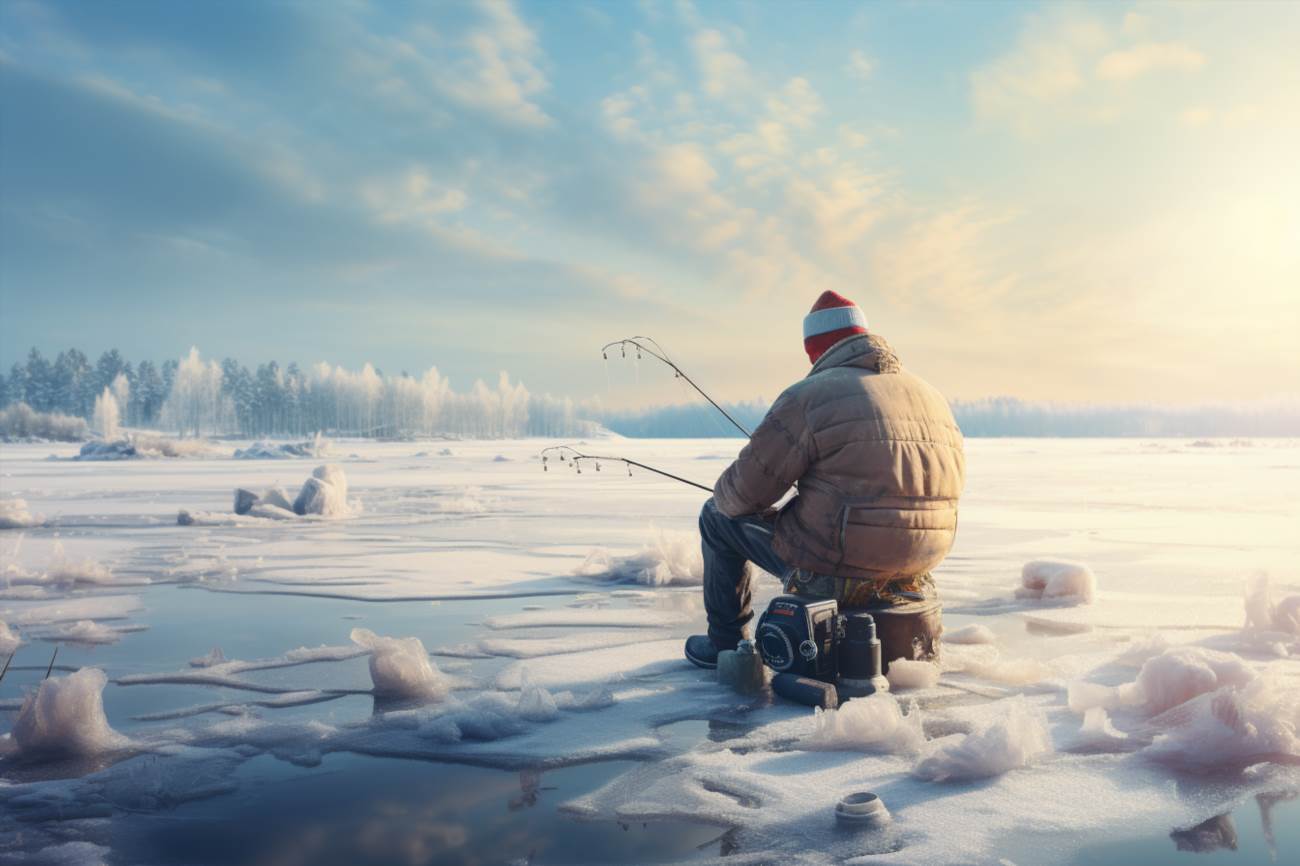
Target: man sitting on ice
877, 460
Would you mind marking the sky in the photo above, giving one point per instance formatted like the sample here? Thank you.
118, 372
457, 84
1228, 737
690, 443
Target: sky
1093, 202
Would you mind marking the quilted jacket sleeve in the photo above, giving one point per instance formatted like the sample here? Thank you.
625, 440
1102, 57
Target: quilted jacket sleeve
777, 455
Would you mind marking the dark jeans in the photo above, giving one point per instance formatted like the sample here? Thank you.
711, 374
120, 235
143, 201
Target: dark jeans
730, 544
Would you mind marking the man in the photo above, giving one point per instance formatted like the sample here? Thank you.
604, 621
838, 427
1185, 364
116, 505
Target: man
877, 459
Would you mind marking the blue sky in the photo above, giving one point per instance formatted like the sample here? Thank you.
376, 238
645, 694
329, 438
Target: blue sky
1079, 202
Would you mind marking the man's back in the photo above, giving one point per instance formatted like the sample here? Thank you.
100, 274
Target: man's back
878, 460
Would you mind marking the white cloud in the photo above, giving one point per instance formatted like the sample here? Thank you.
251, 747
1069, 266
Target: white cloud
499, 72
860, 66
413, 196
722, 71
1148, 57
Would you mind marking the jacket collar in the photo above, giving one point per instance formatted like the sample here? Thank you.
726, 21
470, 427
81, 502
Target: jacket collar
869, 351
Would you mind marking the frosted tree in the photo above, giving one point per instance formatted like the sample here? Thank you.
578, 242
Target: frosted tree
121, 388
107, 416
195, 402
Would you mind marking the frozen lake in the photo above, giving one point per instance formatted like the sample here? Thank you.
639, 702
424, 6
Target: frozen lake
558, 722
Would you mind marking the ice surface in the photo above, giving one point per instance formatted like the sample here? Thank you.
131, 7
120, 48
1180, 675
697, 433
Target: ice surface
1057, 579
669, 559
65, 716
1016, 737
910, 674
400, 667
875, 723
587, 618
970, 634
604, 678
14, 515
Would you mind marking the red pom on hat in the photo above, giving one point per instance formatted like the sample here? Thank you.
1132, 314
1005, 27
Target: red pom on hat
831, 319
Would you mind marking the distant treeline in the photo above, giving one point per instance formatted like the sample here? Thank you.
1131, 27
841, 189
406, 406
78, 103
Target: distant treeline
1007, 416
192, 396
201, 397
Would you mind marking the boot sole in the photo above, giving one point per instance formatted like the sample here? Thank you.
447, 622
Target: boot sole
701, 663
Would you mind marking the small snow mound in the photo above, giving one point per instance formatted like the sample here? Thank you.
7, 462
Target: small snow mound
909, 674
70, 572
1057, 579
1013, 739
266, 450
971, 634
215, 657
1096, 733
400, 667
1231, 728
1263, 615
446, 452
1180, 674
501, 458
875, 723
65, 716
14, 515
669, 559
118, 450
9, 639
85, 631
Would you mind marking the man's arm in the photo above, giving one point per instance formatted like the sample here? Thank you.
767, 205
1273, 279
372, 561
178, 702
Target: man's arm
778, 454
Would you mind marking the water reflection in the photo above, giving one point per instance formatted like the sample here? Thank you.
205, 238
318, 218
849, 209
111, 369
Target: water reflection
357, 810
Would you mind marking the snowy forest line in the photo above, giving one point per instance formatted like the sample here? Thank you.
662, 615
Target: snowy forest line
198, 397
193, 396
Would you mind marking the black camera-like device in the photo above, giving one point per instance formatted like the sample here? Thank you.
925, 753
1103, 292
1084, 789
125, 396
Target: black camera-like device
809, 639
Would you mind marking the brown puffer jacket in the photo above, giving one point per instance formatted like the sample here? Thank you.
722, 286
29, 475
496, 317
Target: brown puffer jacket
878, 459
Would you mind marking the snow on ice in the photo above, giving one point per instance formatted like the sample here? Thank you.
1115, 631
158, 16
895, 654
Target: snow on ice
1057, 579
1087, 717
400, 667
65, 716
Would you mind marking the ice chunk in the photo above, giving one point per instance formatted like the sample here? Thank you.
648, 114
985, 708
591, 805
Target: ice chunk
85, 631
119, 450
971, 634
215, 657
1180, 674
1057, 579
1096, 733
324, 493
65, 716
276, 497
875, 723
1231, 728
1263, 615
909, 674
14, 515
69, 572
332, 475
1011, 739
400, 667
669, 559
9, 639
244, 500
265, 450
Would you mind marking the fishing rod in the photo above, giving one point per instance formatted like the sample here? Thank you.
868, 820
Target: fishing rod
573, 457
643, 346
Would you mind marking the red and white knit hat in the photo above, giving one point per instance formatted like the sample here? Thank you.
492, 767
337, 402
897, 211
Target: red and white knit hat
832, 318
